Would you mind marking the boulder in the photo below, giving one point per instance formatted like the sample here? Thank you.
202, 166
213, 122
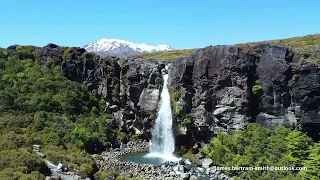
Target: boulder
199, 155
172, 163
193, 177
172, 173
181, 168
185, 175
181, 162
187, 167
149, 99
76, 177
206, 162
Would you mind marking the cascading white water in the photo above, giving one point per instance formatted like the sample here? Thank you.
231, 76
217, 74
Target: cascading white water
162, 138
162, 142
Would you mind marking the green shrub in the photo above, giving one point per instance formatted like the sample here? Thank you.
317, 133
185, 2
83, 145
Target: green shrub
176, 95
312, 163
98, 157
18, 173
12, 141
27, 52
76, 159
120, 135
89, 56
66, 53
190, 156
109, 68
178, 111
102, 175
22, 160
3, 53
51, 63
116, 90
102, 105
13, 121
257, 88
187, 119
186, 154
123, 77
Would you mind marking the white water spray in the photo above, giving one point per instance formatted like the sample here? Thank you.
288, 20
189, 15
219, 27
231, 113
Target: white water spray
162, 143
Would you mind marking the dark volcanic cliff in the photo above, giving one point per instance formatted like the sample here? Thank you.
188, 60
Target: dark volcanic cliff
217, 88
220, 88
129, 86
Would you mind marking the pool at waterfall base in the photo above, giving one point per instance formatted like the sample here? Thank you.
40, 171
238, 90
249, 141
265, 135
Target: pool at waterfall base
150, 158
159, 159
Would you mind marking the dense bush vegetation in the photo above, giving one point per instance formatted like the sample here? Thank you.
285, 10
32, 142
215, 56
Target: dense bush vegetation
258, 146
39, 105
26, 87
18, 160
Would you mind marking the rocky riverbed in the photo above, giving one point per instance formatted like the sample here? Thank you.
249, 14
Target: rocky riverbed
112, 161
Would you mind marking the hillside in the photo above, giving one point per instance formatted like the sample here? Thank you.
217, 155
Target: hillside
306, 46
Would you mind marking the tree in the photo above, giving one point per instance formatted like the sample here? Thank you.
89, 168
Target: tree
81, 136
312, 163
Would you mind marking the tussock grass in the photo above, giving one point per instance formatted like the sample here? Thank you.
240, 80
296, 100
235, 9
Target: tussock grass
307, 46
168, 56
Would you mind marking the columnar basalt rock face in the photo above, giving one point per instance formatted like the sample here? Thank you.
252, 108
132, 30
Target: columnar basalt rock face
306, 97
221, 87
141, 83
101, 75
273, 70
130, 86
216, 89
212, 90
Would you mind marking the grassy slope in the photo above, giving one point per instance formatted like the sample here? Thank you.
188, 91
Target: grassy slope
168, 55
305, 45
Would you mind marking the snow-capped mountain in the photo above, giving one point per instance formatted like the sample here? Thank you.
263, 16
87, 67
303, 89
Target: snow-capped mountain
122, 48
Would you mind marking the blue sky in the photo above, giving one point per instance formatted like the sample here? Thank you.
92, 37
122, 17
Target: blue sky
179, 23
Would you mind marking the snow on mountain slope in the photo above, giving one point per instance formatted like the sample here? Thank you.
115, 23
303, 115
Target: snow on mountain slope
122, 48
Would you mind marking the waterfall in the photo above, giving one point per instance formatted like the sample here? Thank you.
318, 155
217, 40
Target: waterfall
162, 138
275, 104
162, 142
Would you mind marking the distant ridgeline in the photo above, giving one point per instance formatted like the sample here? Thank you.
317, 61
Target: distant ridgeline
75, 103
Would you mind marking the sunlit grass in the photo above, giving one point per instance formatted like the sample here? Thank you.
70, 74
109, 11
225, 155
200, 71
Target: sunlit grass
168, 56
308, 46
